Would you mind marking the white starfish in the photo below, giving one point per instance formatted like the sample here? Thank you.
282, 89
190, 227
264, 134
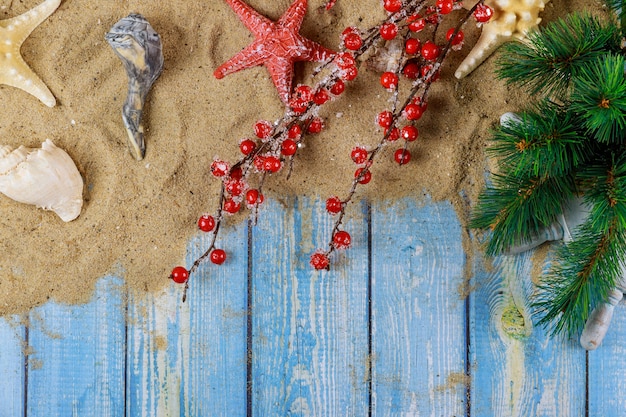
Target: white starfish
13, 70
512, 19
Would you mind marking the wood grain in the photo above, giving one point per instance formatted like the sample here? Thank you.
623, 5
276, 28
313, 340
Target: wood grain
76, 361
386, 332
12, 367
517, 369
309, 329
418, 315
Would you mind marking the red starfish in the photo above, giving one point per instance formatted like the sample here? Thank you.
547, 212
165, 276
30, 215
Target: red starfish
277, 45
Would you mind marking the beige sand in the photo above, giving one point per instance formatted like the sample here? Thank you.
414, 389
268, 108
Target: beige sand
138, 216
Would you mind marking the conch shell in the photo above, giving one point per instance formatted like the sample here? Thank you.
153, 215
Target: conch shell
46, 177
139, 47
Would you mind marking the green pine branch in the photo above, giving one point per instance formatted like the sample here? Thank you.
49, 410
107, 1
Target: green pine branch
586, 269
545, 142
585, 272
599, 96
517, 208
556, 53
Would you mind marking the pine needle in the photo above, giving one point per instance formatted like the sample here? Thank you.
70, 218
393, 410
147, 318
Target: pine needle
553, 54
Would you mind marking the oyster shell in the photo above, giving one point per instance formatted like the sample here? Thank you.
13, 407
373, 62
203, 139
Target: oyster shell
139, 47
46, 178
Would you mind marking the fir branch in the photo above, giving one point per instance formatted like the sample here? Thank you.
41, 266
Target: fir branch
554, 54
585, 273
599, 96
516, 208
587, 268
545, 142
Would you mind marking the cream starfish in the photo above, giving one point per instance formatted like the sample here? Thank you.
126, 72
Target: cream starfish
512, 19
13, 70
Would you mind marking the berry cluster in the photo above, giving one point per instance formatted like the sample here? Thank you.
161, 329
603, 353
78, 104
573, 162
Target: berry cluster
273, 146
410, 36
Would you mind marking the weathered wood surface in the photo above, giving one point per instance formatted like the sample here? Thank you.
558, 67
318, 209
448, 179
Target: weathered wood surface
388, 332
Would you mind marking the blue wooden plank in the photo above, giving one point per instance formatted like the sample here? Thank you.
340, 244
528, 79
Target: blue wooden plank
190, 358
607, 385
76, 361
12, 369
156, 326
310, 344
418, 312
517, 370
215, 367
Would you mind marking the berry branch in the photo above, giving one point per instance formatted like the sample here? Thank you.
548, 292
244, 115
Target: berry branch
414, 105
275, 145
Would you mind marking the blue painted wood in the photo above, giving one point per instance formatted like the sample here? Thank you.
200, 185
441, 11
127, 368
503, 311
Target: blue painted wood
309, 329
214, 343
315, 339
418, 312
607, 367
189, 359
76, 356
12, 369
516, 369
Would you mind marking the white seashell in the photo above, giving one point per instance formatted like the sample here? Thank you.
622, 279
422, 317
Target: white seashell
46, 178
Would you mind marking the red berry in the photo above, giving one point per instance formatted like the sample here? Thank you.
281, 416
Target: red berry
319, 260
247, 146
409, 133
298, 106
457, 39
425, 70
430, 51
218, 256
219, 168
253, 197
483, 13
236, 173
294, 132
288, 147
259, 162
432, 16
388, 31
358, 155
342, 240
412, 46
392, 6
234, 187
179, 275
333, 205
338, 88
411, 69
384, 119
316, 125
262, 129
402, 156
344, 60
231, 206
394, 134
353, 41
206, 223
365, 177
321, 97
413, 111
416, 23
444, 6
303, 93
349, 73
389, 80
272, 164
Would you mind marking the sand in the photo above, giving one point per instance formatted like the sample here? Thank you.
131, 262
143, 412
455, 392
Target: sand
139, 216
